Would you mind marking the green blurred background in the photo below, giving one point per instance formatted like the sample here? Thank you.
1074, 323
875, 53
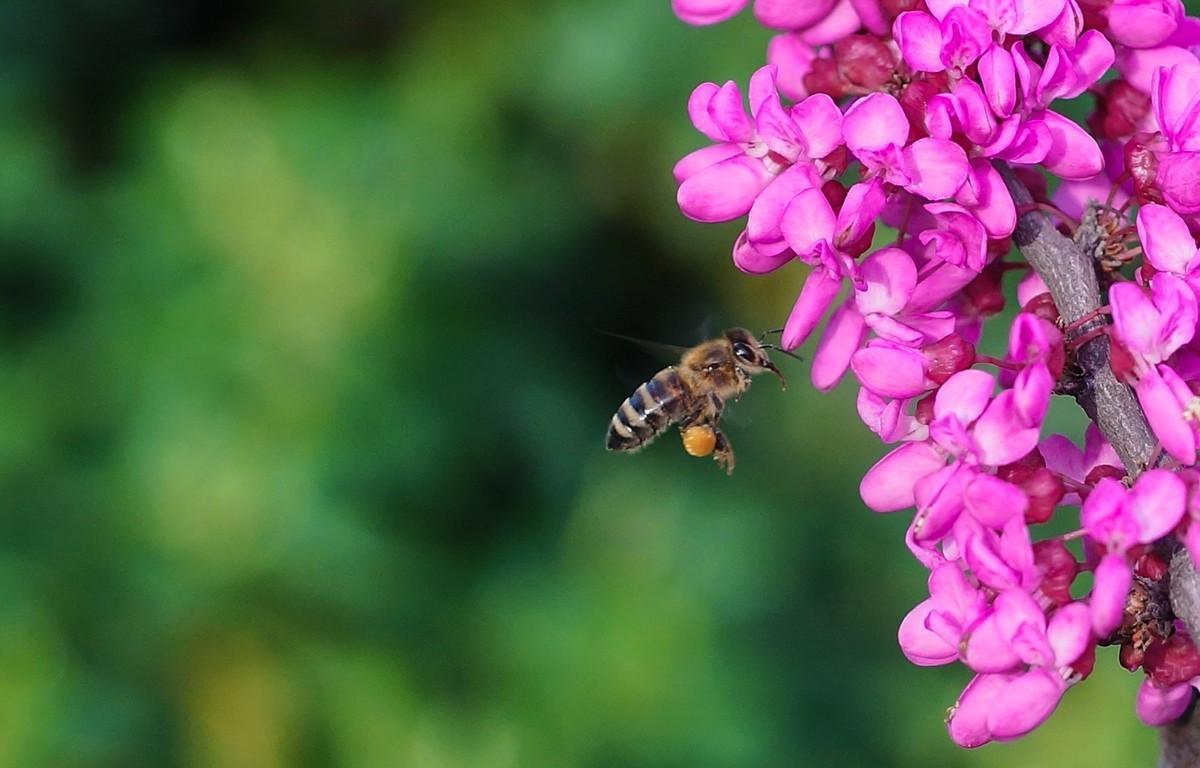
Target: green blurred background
305, 384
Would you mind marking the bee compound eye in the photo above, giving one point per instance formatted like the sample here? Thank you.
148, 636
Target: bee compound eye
743, 351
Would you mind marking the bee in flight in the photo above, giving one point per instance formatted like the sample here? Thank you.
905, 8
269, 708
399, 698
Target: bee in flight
693, 394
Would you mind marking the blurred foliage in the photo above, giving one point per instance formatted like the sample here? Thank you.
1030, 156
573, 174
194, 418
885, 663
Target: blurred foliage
302, 357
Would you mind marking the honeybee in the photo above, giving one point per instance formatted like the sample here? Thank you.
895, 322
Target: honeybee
693, 394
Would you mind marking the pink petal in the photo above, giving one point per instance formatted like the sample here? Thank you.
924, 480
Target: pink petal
863, 204
1177, 173
982, 554
1025, 703
965, 34
793, 57
964, 396
1103, 513
818, 293
891, 277
1165, 413
873, 16
919, 645
888, 486
881, 415
875, 122
1031, 393
1112, 580
702, 12
994, 502
820, 122
723, 191
766, 214
891, 370
1136, 319
754, 261
694, 162
844, 333
1091, 57
937, 167
762, 90
1032, 15
1176, 96
841, 22
999, 80
939, 501
1073, 153
1177, 303
975, 113
920, 39
1166, 241
1141, 24
786, 14
807, 221
1002, 434
987, 649
968, 718
1141, 66
1064, 31
1025, 141
1069, 632
1159, 705
1158, 502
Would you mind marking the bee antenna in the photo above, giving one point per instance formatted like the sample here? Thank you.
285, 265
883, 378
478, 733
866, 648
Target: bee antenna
765, 334
787, 352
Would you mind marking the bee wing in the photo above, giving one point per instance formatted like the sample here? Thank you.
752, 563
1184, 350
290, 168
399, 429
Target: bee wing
664, 353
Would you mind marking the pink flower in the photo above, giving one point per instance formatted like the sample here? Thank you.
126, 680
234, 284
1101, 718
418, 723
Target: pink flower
952, 43
1153, 327
876, 132
1160, 704
1066, 458
1006, 17
1143, 23
889, 418
993, 431
1174, 105
702, 12
935, 101
889, 278
1118, 519
889, 485
1168, 244
1009, 703
722, 181
932, 632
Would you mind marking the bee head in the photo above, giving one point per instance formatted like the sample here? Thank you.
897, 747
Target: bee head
751, 354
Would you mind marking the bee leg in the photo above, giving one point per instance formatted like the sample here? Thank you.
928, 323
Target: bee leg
723, 452
707, 415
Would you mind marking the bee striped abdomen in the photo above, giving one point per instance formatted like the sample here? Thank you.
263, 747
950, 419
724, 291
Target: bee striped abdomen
648, 411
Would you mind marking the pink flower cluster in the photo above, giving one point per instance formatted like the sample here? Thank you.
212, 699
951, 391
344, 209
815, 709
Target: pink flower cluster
897, 113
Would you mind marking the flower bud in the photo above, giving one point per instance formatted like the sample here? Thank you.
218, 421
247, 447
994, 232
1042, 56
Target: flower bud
985, 293
1173, 661
1151, 565
1043, 306
948, 356
1124, 365
1101, 471
1120, 109
1058, 568
866, 62
1141, 163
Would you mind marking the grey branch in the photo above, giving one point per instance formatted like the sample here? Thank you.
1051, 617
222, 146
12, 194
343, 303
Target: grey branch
1068, 270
